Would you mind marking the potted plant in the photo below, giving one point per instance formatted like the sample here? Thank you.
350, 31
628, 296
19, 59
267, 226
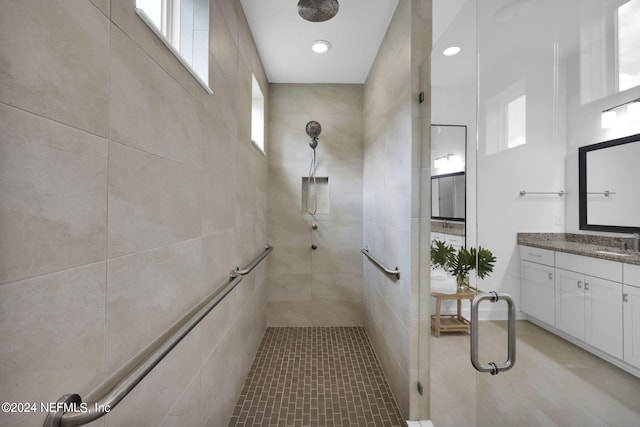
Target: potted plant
459, 263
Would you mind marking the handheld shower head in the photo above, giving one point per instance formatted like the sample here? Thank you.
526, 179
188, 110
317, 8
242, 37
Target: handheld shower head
313, 129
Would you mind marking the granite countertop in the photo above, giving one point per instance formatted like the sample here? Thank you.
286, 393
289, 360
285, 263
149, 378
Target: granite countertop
448, 227
583, 244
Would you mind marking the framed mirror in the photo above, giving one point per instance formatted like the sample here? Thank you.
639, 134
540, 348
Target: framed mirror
448, 179
448, 196
609, 190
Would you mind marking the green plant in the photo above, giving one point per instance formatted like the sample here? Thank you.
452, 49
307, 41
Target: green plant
459, 263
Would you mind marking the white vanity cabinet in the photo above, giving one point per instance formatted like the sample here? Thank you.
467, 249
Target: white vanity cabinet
631, 308
592, 302
570, 306
451, 239
537, 283
589, 308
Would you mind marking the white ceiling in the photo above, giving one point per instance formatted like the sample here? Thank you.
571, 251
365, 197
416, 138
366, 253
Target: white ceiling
284, 39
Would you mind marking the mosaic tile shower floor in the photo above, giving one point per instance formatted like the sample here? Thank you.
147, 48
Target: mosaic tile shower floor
316, 376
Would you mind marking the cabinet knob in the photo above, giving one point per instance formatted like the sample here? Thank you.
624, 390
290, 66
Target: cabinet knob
586, 286
580, 284
625, 297
550, 276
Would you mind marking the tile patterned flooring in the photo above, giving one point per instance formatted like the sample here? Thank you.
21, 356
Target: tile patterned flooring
316, 376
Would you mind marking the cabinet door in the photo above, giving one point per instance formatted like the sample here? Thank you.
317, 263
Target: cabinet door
570, 302
537, 290
631, 309
603, 315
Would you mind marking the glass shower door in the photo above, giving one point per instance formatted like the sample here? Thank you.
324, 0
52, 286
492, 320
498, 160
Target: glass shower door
538, 75
546, 71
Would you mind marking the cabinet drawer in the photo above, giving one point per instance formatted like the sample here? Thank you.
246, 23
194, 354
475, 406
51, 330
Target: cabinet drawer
631, 274
540, 256
595, 267
437, 236
454, 240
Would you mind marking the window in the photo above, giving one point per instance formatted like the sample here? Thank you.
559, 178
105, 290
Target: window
507, 119
628, 41
257, 114
609, 48
516, 122
183, 26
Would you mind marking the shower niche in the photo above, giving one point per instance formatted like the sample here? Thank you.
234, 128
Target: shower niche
315, 195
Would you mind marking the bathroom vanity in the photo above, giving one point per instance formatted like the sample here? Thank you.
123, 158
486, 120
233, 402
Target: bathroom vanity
450, 232
585, 289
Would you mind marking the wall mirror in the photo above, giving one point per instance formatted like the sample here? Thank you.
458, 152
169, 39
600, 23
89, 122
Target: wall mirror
608, 185
183, 26
448, 196
448, 180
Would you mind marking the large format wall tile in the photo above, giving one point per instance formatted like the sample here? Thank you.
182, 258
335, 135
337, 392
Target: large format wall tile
388, 190
218, 204
151, 290
43, 46
149, 110
110, 150
152, 201
53, 180
166, 382
52, 334
315, 287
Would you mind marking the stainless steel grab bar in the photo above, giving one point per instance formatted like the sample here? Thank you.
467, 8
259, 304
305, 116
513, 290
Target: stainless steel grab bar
377, 262
237, 272
115, 388
492, 367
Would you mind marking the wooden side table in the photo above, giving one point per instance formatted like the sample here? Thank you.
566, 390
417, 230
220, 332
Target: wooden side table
451, 322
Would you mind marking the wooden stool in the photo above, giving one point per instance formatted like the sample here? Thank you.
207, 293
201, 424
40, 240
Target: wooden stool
451, 322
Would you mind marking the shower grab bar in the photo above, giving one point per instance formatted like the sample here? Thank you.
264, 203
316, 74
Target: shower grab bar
238, 272
72, 411
377, 262
557, 193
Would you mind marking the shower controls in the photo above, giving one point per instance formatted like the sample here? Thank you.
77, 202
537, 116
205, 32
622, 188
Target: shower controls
314, 247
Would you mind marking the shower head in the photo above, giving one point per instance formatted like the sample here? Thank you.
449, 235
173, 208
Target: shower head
317, 10
313, 129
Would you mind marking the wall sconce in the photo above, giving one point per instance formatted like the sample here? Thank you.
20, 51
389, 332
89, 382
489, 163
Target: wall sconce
609, 117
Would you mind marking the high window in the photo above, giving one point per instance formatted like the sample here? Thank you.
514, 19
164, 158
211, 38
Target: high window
257, 114
507, 119
183, 26
628, 41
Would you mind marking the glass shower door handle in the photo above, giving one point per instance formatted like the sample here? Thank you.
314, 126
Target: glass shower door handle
492, 367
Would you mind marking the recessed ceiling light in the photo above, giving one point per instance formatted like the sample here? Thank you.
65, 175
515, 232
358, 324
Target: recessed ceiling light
320, 46
450, 51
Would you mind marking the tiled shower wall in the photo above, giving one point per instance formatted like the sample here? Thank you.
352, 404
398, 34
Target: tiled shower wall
127, 195
321, 287
392, 167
